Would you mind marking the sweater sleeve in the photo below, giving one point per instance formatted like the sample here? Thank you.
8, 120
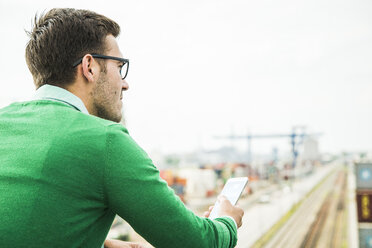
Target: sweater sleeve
135, 191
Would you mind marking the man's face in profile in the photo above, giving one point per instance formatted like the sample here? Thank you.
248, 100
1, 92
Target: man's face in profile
108, 91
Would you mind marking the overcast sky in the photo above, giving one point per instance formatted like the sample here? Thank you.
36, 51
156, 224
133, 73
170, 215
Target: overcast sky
202, 68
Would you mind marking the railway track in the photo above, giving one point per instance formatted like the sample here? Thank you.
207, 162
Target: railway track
319, 221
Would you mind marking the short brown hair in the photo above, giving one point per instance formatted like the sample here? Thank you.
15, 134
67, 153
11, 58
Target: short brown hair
60, 37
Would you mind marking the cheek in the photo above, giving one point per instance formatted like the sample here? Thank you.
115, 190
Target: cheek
117, 91
115, 88
116, 94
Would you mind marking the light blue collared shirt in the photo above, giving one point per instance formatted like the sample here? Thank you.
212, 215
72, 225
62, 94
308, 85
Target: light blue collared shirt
55, 93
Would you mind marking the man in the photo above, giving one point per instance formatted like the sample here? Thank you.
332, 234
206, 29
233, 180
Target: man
67, 167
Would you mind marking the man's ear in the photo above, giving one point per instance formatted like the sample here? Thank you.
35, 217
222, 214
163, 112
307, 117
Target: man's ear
90, 68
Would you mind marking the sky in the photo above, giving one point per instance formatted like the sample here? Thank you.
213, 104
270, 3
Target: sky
203, 68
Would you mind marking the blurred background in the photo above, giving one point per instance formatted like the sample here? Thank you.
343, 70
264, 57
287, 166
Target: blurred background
279, 91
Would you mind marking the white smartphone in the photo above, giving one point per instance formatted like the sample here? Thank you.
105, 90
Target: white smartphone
232, 190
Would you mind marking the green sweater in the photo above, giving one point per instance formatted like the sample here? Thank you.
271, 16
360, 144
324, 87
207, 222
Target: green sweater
65, 174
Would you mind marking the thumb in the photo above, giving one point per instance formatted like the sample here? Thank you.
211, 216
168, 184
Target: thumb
223, 199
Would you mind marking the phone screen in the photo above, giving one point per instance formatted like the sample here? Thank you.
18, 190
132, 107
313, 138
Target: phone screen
232, 190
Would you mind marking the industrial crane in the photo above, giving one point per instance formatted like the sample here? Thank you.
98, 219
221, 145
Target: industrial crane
296, 136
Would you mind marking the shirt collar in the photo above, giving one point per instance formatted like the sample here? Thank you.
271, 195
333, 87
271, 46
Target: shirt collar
55, 93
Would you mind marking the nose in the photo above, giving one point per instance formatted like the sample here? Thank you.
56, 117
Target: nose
125, 85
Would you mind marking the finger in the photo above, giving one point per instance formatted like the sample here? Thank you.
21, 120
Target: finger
221, 198
206, 214
210, 208
137, 245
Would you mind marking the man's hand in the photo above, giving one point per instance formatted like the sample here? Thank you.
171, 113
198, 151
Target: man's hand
112, 243
226, 208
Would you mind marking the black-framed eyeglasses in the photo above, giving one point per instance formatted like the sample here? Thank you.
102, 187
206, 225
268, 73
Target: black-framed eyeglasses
123, 69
